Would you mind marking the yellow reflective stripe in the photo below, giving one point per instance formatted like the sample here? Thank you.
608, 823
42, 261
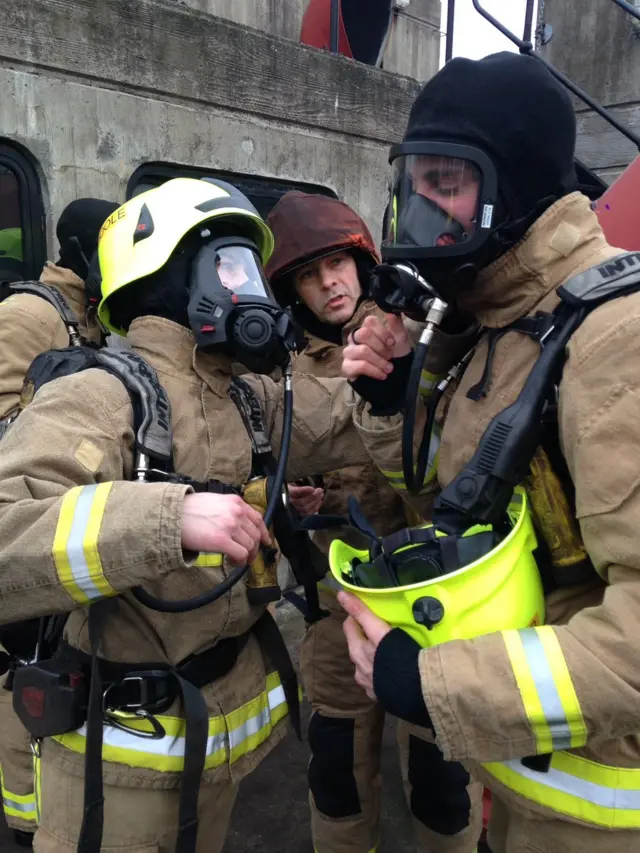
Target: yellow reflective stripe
229, 738
22, 806
574, 786
396, 478
208, 560
566, 691
428, 382
37, 786
547, 692
251, 724
75, 545
528, 692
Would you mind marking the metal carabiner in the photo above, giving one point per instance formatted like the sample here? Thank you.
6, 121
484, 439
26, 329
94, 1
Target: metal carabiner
113, 718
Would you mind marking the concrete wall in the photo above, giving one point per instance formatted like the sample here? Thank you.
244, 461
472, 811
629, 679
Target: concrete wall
598, 46
413, 47
177, 86
276, 17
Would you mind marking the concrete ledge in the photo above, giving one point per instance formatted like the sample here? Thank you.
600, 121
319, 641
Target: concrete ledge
167, 50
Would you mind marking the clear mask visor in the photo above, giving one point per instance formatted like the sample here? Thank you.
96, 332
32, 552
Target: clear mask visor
240, 272
434, 201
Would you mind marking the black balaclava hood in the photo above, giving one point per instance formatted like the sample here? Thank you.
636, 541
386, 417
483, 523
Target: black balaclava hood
520, 116
77, 232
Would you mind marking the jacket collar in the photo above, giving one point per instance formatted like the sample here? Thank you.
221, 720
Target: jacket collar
565, 240
318, 347
71, 287
171, 349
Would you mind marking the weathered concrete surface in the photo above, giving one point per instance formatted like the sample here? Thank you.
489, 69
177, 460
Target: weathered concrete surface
597, 45
414, 45
129, 83
158, 48
412, 50
89, 140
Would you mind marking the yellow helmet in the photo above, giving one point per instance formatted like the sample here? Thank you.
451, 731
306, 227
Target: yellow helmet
498, 591
140, 236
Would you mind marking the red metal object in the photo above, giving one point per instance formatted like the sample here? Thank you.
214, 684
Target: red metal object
618, 209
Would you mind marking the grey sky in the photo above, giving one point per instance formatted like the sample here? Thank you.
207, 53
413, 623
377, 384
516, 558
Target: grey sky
474, 37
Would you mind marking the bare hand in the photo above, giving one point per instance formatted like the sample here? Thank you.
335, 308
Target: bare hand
372, 346
364, 632
305, 499
223, 524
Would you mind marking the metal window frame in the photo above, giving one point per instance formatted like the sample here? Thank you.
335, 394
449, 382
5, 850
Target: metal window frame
255, 187
23, 164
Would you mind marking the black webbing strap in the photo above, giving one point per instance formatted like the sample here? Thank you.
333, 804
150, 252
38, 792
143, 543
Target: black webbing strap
196, 735
270, 639
90, 839
195, 749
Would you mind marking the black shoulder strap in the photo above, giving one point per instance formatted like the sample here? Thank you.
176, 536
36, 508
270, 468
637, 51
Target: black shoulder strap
50, 294
615, 277
152, 409
250, 409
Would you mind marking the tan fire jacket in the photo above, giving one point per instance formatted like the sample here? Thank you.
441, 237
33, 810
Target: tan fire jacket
29, 325
509, 695
381, 504
74, 528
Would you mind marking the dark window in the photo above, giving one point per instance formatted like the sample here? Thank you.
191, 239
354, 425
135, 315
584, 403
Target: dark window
263, 192
22, 233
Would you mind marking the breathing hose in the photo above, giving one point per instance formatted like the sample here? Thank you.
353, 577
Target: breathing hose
414, 474
186, 605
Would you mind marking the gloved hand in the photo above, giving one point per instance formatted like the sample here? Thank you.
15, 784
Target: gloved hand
377, 361
386, 661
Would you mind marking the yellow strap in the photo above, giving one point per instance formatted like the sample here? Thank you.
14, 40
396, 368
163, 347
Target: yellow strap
208, 560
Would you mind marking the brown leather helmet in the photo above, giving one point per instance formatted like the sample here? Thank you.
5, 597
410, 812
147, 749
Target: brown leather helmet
309, 226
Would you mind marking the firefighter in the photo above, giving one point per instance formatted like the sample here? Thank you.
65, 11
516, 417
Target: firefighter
30, 325
548, 715
320, 268
79, 529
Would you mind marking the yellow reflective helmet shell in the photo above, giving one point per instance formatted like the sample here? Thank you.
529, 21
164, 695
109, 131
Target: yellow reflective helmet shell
140, 236
500, 591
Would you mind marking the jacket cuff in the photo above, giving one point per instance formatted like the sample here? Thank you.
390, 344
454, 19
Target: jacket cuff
449, 735
396, 678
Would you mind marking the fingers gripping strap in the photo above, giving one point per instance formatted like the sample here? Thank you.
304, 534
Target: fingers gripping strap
153, 432
50, 295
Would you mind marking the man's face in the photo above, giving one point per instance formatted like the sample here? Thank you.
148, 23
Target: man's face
453, 184
232, 273
330, 287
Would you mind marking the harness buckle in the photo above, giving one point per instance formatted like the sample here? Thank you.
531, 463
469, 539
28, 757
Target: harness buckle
147, 699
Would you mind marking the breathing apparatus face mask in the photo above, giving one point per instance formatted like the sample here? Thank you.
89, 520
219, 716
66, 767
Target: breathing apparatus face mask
440, 217
232, 310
